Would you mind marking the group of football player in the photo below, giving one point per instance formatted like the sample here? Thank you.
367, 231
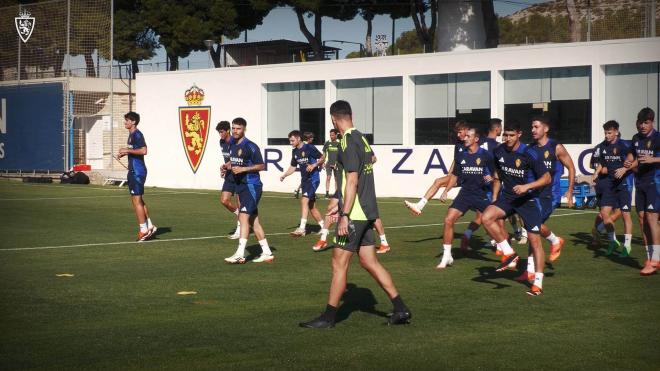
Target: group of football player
500, 180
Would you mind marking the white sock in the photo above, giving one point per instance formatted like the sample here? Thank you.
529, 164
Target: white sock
523, 232
143, 227
530, 264
505, 247
552, 239
242, 242
494, 243
324, 234
601, 227
265, 249
149, 223
303, 223
447, 250
236, 211
627, 240
383, 240
538, 280
321, 224
656, 253
468, 233
611, 236
422, 202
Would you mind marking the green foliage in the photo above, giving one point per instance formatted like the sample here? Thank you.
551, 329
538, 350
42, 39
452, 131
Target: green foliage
408, 43
133, 39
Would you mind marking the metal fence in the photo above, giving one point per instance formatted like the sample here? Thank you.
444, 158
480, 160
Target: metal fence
65, 41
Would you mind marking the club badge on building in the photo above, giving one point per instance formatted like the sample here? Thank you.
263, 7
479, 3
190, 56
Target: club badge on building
24, 25
194, 121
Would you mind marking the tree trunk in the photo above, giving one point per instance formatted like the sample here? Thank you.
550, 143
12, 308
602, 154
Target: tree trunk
315, 39
367, 42
425, 34
135, 68
574, 26
490, 24
89, 65
174, 62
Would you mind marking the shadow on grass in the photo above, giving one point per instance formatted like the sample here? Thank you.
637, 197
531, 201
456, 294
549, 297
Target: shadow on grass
161, 230
254, 251
600, 251
488, 274
357, 299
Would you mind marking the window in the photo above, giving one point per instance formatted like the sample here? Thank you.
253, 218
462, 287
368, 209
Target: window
628, 89
561, 94
377, 106
441, 100
295, 106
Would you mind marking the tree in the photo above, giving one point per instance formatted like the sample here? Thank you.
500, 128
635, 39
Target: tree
90, 26
426, 34
409, 43
343, 10
368, 9
248, 15
573, 20
133, 39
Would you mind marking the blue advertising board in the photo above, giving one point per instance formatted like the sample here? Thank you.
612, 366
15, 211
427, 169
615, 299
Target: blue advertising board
31, 127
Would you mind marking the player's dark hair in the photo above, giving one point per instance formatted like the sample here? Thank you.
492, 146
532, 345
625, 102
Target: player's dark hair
223, 125
645, 114
542, 119
294, 133
461, 125
133, 116
341, 108
239, 121
512, 125
308, 135
611, 125
334, 131
494, 123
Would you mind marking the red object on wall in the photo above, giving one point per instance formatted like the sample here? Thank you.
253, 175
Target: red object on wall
82, 167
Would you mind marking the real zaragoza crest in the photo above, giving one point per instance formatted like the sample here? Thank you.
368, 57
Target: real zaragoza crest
24, 25
194, 121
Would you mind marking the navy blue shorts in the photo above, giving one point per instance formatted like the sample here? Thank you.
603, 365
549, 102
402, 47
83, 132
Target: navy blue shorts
136, 183
249, 194
469, 200
647, 197
229, 185
528, 208
616, 198
308, 188
548, 205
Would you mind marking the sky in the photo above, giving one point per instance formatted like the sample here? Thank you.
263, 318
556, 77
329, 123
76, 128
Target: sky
281, 23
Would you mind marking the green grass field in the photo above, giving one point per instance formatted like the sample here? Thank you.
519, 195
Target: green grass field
120, 310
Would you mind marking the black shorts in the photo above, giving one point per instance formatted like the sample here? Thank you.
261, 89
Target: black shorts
529, 209
468, 200
360, 233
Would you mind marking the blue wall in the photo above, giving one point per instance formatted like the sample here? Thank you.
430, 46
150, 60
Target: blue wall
33, 139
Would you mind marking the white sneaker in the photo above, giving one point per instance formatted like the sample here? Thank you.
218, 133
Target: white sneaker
236, 235
152, 231
446, 261
299, 232
235, 259
264, 258
413, 208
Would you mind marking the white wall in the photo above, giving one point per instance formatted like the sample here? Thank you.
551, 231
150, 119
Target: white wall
233, 92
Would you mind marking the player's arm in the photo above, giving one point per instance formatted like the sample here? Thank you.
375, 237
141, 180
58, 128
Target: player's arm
289, 171
543, 181
257, 161
565, 158
453, 180
132, 151
621, 172
350, 191
497, 185
319, 159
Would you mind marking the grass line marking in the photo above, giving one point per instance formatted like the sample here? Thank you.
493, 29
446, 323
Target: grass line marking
225, 236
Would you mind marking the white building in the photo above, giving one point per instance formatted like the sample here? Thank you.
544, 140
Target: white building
405, 104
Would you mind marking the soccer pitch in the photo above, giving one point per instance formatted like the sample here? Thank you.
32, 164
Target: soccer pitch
120, 308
